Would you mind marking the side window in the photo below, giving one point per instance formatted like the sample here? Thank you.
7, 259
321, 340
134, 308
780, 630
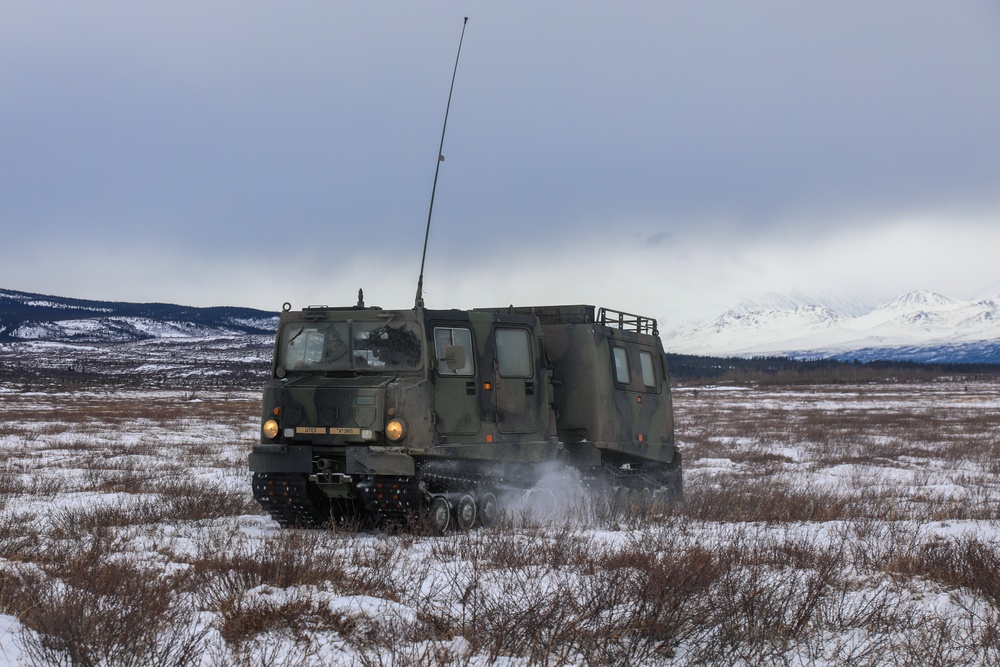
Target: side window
454, 351
513, 353
648, 370
622, 374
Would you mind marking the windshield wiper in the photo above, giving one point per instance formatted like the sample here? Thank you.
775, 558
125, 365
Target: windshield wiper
302, 330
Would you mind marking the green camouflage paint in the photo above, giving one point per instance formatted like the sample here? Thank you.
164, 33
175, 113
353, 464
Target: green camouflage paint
488, 393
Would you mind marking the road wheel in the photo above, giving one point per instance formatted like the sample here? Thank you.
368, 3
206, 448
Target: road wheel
439, 514
489, 509
465, 512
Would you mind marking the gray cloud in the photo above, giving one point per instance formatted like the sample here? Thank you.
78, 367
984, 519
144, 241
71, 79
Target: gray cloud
242, 133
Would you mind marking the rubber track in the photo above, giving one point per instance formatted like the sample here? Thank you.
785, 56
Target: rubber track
286, 498
666, 480
389, 497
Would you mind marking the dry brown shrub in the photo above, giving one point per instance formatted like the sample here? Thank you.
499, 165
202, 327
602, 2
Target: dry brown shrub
11, 483
243, 619
78, 523
505, 546
18, 540
661, 595
228, 566
964, 562
89, 608
116, 476
186, 499
766, 499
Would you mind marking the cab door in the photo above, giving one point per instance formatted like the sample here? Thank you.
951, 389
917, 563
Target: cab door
455, 380
516, 390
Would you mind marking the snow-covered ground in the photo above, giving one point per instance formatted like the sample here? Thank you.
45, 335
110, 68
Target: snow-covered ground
189, 363
824, 525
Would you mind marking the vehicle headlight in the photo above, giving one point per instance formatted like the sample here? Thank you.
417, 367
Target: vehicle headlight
395, 430
270, 429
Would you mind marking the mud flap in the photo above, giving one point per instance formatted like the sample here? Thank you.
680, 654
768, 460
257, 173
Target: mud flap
295, 458
364, 460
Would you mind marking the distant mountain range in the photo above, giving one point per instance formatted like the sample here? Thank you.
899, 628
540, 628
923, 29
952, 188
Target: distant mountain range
919, 326
36, 317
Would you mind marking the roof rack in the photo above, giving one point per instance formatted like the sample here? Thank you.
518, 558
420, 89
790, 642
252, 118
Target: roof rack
627, 321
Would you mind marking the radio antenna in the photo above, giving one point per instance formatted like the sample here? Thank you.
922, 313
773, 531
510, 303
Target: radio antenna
419, 303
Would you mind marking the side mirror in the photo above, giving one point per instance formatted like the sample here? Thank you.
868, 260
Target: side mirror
454, 357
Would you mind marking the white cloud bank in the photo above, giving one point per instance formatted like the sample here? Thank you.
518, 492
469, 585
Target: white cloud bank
675, 279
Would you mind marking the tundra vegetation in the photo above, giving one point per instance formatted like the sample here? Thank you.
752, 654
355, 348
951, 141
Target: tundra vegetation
823, 524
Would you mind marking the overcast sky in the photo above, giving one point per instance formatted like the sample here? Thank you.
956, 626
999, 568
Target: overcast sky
670, 158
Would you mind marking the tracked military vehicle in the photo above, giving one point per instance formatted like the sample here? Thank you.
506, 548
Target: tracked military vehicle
443, 414
383, 414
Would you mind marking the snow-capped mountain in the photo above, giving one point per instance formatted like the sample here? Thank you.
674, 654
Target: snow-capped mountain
35, 317
918, 326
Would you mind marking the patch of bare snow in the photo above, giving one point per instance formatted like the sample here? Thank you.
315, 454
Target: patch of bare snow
10, 649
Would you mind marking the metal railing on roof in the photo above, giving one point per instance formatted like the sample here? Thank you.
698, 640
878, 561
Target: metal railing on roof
627, 321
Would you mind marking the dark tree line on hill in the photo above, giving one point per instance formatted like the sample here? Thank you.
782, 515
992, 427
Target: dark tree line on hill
690, 369
234, 376
191, 367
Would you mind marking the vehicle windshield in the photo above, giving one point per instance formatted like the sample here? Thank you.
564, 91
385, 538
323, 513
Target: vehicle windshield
351, 345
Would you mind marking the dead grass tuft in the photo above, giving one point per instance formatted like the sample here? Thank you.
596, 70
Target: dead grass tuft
90, 608
193, 500
244, 619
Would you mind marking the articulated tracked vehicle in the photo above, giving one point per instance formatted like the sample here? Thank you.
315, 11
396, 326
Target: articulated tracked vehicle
443, 414
382, 414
